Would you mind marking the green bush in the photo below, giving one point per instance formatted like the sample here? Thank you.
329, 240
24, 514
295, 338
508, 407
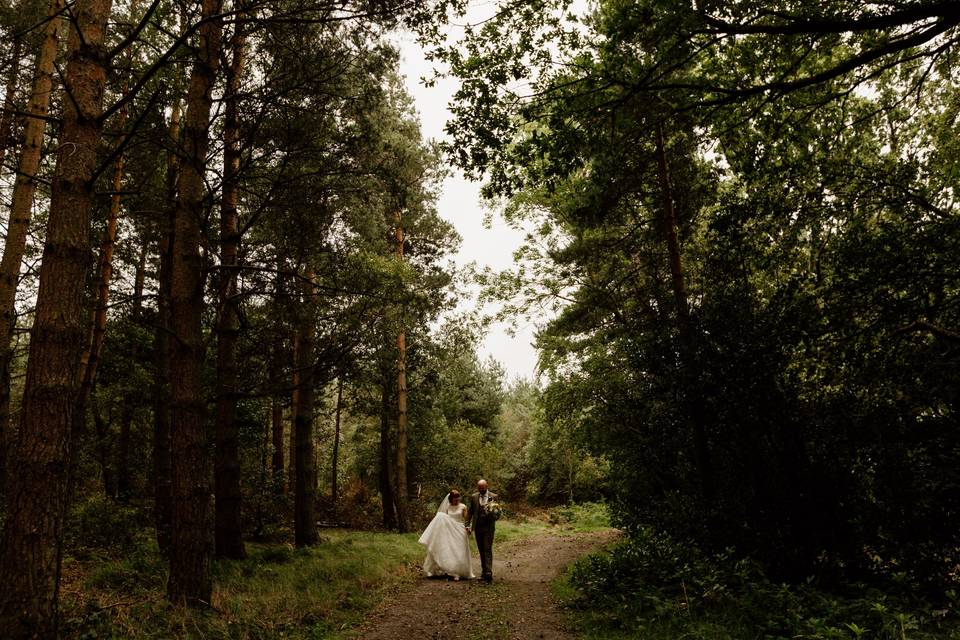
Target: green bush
653, 586
96, 522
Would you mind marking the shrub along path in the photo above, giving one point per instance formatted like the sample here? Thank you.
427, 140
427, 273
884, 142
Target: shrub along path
517, 606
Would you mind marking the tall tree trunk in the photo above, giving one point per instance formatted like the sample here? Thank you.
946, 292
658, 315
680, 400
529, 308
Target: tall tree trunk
264, 484
276, 409
162, 481
386, 459
403, 519
7, 120
38, 491
229, 539
139, 280
124, 481
277, 383
334, 492
294, 402
190, 580
102, 430
688, 349
21, 208
90, 360
305, 497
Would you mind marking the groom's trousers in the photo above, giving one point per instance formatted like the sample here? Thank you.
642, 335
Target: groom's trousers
484, 535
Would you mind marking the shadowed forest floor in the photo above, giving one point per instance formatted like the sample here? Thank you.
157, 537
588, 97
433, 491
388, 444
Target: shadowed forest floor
517, 606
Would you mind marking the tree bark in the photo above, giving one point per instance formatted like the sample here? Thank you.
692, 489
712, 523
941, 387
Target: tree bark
276, 384
162, 482
124, 480
228, 528
139, 279
7, 121
386, 459
403, 519
190, 554
305, 496
39, 482
334, 492
90, 360
102, 431
264, 485
276, 417
294, 402
21, 209
124, 483
696, 406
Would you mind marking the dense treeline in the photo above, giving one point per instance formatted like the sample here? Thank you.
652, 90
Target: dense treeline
744, 216
221, 225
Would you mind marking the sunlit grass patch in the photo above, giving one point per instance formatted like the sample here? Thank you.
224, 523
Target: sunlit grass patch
582, 517
511, 530
566, 519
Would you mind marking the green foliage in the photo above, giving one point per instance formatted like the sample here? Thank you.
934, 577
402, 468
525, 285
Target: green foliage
97, 524
460, 454
559, 467
782, 377
652, 586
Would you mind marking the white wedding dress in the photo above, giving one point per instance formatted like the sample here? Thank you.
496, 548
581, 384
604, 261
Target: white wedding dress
448, 547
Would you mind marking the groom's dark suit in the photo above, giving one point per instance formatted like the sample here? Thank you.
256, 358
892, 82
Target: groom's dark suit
484, 527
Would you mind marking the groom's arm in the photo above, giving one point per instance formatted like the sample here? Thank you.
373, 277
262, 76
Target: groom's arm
474, 513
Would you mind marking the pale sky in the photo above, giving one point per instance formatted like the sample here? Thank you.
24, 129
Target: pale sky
460, 203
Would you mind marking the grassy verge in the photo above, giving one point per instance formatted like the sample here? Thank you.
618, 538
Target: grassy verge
277, 592
652, 588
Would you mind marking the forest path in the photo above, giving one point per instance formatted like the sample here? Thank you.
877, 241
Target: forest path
518, 605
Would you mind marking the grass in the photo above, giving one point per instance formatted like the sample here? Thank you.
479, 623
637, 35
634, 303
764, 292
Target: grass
512, 530
277, 592
563, 520
581, 518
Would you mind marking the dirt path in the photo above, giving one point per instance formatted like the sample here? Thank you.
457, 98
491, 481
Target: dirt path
517, 606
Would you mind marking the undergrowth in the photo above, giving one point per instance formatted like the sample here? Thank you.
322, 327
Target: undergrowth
652, 587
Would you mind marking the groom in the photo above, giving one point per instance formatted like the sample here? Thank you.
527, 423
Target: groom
484, 527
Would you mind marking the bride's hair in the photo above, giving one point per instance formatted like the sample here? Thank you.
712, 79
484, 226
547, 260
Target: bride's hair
454, 493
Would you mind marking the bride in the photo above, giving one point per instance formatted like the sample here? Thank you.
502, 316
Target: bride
448, 550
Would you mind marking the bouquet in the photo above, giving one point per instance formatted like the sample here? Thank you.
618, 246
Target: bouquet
492, 510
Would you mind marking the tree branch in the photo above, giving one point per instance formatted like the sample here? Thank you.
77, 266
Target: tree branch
928, 327
945, 9
850, 64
